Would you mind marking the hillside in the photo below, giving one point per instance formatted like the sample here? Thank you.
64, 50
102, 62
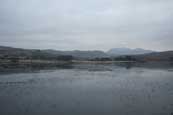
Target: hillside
13, 52
136, 54
157, 56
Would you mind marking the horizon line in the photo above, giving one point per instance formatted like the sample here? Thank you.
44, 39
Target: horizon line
83, 50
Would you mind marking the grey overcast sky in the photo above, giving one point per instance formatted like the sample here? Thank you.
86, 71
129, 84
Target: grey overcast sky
87, 24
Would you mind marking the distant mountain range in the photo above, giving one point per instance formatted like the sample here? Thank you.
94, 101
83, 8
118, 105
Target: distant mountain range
127, 51
115, 52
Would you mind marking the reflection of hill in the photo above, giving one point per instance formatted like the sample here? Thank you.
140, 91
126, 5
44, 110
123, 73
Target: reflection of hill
27, 68
22, 68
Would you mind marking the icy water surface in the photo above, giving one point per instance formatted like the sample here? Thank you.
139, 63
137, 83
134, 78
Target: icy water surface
88, 90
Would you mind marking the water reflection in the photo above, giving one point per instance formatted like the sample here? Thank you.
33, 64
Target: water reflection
87, 89
27, 68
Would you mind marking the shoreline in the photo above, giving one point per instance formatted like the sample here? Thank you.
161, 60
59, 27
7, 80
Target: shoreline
57, 62
61, 62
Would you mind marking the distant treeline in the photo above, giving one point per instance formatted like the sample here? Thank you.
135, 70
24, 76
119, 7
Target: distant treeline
132, 58
70, 58
120, 58
37, 57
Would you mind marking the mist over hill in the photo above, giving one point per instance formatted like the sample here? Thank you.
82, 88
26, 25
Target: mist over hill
128, 51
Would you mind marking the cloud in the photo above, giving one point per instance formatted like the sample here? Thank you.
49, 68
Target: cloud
86, 25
